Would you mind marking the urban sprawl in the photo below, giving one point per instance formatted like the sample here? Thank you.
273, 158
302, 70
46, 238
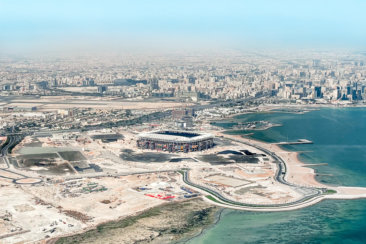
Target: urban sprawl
107, 149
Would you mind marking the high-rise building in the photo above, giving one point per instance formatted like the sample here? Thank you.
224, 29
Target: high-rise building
318, 92
154, 84
102, 89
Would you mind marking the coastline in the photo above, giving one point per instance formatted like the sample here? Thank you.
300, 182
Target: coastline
298, 173
218, 216
305, 107
297, 168
94, 227
160, 224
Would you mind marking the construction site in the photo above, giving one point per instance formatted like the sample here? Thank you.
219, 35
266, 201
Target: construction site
70, 182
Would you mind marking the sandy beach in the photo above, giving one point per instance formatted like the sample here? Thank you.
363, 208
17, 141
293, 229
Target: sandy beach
297, 172
300, 174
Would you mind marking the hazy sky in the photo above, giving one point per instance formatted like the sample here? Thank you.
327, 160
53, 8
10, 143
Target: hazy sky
153, 24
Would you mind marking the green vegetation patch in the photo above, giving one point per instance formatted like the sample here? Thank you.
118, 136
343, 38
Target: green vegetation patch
212, 199
330, 191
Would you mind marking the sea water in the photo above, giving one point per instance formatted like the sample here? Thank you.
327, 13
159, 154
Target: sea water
339, 136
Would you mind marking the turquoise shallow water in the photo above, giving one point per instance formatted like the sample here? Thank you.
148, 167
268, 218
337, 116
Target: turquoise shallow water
339, 137
336, 221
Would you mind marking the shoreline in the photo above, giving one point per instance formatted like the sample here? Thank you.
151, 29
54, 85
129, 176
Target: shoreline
299, 168
159, 224
218, 215
94, 227
269, 108
298, 173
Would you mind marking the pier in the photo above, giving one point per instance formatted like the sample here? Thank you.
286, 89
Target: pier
319, 164
324, 174
299, 141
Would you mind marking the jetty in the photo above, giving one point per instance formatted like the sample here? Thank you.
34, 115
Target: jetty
324, 174
319, 164
299, 141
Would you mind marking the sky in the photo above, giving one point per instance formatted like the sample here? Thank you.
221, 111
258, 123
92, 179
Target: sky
108, 25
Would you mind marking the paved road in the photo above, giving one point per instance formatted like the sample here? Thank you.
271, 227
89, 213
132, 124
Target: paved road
309, 193
11, 141
281, 169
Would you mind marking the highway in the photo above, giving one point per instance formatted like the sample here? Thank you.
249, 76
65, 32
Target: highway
307, 192
11, 141
8, 145
229, 202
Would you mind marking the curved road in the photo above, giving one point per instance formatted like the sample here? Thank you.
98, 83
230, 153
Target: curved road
11, 141
313, 193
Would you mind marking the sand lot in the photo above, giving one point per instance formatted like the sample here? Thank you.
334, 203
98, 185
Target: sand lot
228, 181
35, 218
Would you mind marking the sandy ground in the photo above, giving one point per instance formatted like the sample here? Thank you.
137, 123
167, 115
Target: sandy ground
26, 215
58, 208
156, 226
244, 182
297, 172
344, 192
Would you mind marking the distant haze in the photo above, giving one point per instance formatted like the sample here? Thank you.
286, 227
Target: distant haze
157, 25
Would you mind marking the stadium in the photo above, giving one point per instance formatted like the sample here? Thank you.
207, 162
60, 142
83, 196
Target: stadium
175, 141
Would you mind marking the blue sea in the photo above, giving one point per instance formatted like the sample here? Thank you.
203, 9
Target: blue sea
339, 136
